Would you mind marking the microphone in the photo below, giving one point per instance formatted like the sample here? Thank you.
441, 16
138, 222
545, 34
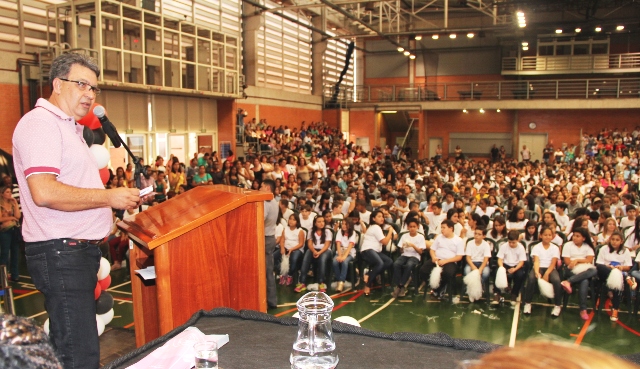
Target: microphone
107, 126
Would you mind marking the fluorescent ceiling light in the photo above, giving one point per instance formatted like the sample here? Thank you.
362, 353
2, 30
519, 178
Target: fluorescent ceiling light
418, 38
435, 37
400, 49
389, 111
453, 35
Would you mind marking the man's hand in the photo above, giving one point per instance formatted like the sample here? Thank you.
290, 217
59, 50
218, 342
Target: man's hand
124, 198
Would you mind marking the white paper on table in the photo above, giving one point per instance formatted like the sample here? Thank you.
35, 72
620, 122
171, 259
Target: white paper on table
178, 352
147, 273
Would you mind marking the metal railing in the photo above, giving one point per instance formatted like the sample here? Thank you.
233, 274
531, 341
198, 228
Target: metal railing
492, 90
578, 63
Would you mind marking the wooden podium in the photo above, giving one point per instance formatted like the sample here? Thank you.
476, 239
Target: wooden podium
207, 246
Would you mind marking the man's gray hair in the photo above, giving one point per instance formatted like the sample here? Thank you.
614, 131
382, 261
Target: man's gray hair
61, 66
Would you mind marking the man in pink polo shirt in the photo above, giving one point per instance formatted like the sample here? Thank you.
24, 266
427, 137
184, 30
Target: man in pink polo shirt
67, 210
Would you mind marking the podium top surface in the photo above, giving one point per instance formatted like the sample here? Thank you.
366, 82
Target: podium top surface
172, 218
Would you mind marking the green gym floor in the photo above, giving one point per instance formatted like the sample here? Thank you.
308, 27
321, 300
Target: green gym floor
501, 324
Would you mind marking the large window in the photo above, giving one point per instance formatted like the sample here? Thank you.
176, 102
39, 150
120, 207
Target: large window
283, 54
557, 46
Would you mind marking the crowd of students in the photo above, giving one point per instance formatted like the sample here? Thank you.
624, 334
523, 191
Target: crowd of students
340, 205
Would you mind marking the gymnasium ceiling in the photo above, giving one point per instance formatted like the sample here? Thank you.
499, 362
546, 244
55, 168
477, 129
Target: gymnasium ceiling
402, 20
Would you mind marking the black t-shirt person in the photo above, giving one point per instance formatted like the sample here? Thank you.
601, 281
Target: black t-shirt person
495, 153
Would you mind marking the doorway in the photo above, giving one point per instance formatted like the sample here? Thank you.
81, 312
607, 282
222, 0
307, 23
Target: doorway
433, 144
177, 147
535, 143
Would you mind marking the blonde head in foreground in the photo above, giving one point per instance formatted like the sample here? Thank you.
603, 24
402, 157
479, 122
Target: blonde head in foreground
547, 354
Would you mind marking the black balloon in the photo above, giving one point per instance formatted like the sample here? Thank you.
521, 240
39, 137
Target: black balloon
88, 136
99, 136
104, 303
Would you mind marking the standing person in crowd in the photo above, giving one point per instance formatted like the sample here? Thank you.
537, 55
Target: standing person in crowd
270, 218
67, 210
9, 227
525, 154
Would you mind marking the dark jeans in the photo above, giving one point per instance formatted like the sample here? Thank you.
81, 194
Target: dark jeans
295, 261
269, 248
10, 251
65, 271
402, 268
603, 274
532, 286
378, 263
321, 263
582, 280
448, 275
516, 278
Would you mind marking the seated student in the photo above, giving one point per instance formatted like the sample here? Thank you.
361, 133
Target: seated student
608, 228
530, 234
415, 215
632, 235
446, 251
345, 252
512, 256
613, 256
371, 249
291, 244
458, 229
517, 219
474, 222
318, 252
478, 253
579, 250
630, 219
561, 217
434, 219
412, 245
362, 214
499, 230
483, 208
285, 212
306, 217
545, 256
402, 207
580, 212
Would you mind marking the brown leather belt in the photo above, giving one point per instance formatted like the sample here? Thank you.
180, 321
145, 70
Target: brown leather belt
91, 242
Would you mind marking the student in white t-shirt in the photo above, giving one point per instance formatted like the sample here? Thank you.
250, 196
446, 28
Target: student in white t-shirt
446, 251
561, 217
512, 256
613, 256
545, 256
345, 252
291, 244
371, 249
434, 219
306, 217
477, 254
412, 245
579, 250
632, 242
630, 219
318, 252
517, 220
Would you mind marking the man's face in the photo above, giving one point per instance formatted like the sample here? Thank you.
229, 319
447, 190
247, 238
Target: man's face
71, 99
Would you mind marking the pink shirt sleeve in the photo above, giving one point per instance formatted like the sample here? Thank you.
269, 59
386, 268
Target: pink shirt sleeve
43, 141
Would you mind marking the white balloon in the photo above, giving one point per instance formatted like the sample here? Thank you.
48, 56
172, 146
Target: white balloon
106, 317
100, 324
101, 154
46, 326
105, 269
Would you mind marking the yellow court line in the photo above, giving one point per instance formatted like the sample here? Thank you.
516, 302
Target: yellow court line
514, 323
377, 310
26, 294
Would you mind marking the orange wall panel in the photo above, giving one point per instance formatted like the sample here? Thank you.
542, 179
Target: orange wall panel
332, 117
362, 124
10, 112
286, 116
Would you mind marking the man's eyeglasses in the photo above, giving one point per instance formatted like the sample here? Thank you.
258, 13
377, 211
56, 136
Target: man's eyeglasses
83, 85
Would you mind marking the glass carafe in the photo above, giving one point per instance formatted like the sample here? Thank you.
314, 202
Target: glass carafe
314, 347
